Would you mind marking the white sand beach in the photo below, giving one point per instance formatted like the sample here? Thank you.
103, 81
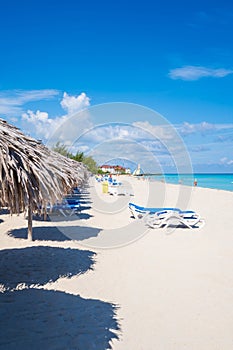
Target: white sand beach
88, 278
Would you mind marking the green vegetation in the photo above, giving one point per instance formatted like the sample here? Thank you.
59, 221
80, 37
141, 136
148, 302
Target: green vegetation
79, 157
61, 149
90, 164
101, 172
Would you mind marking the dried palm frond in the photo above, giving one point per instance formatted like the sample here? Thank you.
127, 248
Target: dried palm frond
31, 174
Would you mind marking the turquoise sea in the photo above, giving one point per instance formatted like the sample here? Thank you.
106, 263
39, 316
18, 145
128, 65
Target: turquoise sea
217, 181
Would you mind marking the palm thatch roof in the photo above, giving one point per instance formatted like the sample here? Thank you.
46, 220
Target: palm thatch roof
31, 174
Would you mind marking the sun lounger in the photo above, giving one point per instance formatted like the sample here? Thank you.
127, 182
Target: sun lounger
189, 219
66, 208
139, 212
166, 217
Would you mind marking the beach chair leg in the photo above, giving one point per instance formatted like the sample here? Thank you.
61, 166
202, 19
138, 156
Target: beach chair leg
72, 212
154, 221
145, 217
199, 221
62, 212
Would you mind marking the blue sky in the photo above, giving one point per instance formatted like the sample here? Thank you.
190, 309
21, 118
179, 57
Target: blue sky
177, 59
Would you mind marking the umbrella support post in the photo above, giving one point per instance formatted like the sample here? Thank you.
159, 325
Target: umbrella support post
29, 219
45, 211
45, 215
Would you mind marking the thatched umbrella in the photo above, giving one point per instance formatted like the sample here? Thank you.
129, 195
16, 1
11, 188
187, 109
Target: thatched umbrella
31, 175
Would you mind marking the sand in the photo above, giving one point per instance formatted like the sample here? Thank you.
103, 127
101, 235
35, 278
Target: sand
105, 280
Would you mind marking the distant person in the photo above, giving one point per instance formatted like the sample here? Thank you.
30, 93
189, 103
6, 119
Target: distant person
195, 182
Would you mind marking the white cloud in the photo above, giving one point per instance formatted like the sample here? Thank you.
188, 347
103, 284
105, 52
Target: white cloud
188, 129
38, 116
137, 132
160, 132
11, 102
160, 139
35, 95
223, 160
136, 141
7, 109
225, 135
205, 128
108, 132
191, 73
155, 147
121, 149
226, 161
39, 123
43, 126
199, 148
73, 104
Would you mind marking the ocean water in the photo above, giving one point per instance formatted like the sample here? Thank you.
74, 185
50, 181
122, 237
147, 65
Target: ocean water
216, 181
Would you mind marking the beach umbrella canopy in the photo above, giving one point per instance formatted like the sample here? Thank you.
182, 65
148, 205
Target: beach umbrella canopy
31, 174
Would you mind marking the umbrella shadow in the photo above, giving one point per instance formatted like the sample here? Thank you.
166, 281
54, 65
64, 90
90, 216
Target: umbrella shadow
46, 319
84, 216
4, 211
40, 265
50, 217
55, 233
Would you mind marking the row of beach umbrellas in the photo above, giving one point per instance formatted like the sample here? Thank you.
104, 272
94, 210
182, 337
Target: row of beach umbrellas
31, 175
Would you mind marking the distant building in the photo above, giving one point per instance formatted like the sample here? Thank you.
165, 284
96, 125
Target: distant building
114, 169
127, 170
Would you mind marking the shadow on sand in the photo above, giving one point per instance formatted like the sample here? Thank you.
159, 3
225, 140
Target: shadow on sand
46, 319
4, 211
56, 217
40, 265
59, 234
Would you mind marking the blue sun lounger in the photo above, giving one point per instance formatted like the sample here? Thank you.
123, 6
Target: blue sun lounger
67, 206
165, 217
139, 212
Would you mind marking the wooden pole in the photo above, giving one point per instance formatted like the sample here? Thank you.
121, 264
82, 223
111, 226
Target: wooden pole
30, 238
45, 211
